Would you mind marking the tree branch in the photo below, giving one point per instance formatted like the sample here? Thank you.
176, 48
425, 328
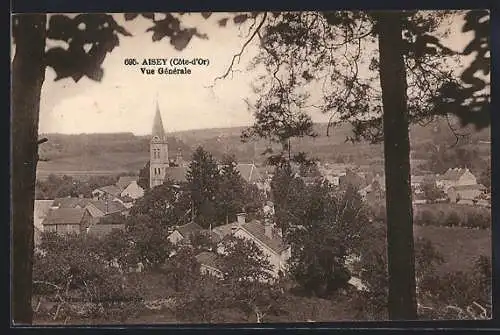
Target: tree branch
238, 55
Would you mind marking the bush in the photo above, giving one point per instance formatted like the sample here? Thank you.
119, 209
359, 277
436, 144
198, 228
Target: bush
70, 271
451, 215
427, 218
459, 295
453, 219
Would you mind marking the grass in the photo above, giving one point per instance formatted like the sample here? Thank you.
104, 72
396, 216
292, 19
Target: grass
460, 247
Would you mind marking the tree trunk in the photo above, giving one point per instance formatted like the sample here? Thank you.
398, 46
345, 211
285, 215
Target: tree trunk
400, 250
28, 74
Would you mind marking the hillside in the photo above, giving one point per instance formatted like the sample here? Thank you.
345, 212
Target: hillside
125, 152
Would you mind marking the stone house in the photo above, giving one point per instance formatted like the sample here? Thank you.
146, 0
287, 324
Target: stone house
457, 177
264, 235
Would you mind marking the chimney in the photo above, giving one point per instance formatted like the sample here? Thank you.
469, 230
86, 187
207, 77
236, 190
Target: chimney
240, 218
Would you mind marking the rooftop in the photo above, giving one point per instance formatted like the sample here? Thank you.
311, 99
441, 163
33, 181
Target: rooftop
64, 216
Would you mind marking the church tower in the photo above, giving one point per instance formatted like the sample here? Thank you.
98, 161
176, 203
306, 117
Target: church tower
158, 150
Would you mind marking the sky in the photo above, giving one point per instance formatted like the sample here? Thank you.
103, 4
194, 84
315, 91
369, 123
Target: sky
125, 100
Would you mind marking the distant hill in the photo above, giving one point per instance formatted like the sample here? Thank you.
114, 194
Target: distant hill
126, 152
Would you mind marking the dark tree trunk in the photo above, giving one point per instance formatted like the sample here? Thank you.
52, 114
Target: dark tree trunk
28, 74
400, 250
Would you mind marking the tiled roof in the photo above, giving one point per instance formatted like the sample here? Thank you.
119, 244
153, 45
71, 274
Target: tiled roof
209, 259
453, 174
111, 189
188, 229
257, 230
125, 181
64, 216
71, 202
107, 207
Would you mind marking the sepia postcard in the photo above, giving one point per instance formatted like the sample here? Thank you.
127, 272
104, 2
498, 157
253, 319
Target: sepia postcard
250, 167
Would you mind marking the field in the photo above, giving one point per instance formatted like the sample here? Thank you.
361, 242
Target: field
126, 152
459, 247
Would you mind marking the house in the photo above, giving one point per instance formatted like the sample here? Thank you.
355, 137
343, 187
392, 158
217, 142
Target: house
125, 200
124, 181
41, 210
465, 194
129, 187
70, 202
106, 224
133, 191
264, 235
67, 220
100, 208
210, 263
106, 192
183, 233
457, 177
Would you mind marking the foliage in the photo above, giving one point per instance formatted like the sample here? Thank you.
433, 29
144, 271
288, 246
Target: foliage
165, 205
243, 260
181, 269
60, 268
148, 236
485, 177
203, 302
440, 158
331, 228
287, 193
248, 278
432, 192
372, 270
459, 295
67, 186
231, 191
203, 179
143, 180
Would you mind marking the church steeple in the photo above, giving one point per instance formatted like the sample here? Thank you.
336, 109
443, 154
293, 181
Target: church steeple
158, 129
158, 151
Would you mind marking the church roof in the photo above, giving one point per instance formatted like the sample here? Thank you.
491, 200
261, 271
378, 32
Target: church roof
158, 129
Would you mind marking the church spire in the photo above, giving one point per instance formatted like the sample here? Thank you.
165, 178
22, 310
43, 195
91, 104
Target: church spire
158, 129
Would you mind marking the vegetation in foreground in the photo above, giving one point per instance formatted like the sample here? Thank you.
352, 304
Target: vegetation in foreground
332, 242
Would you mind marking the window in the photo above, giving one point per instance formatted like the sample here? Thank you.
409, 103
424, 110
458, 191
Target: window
156, 153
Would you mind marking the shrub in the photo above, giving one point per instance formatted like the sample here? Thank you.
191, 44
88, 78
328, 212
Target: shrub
427, 218
458, 295
453, 219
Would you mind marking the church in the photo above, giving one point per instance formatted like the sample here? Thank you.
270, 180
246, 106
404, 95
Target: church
161, 166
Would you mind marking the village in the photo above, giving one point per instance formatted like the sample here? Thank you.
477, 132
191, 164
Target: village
109, 205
